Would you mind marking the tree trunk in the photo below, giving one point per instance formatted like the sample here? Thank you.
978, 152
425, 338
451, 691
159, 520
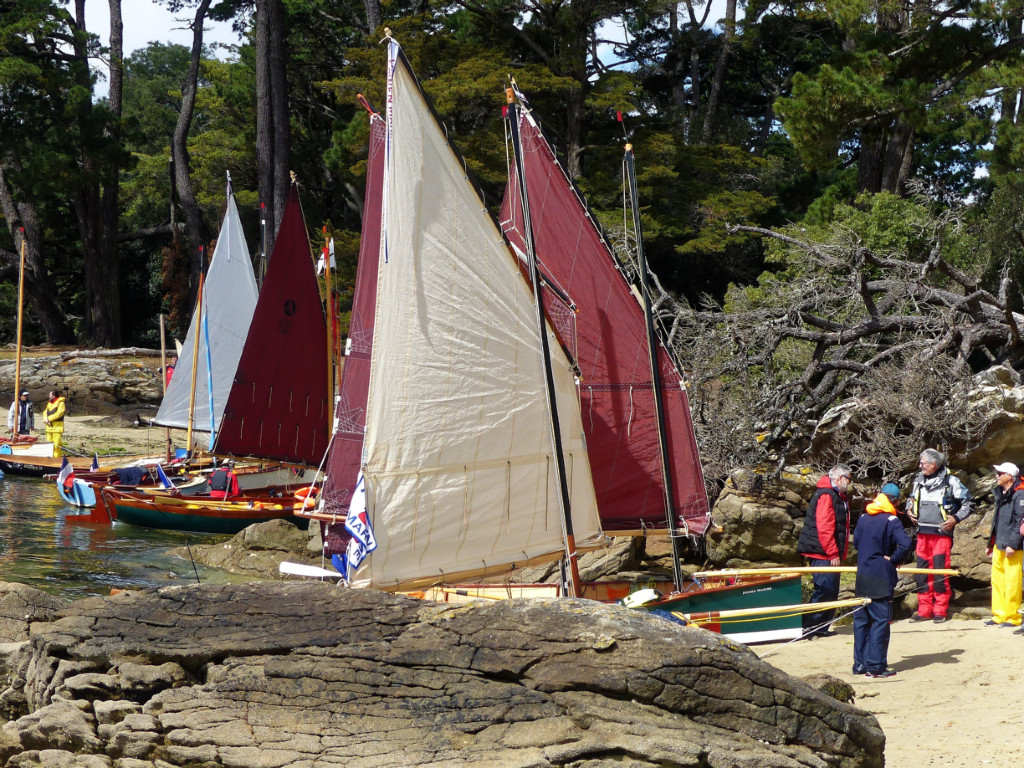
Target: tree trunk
373, 14
40, 293
721, 65
197, 232
272, 122
885, 158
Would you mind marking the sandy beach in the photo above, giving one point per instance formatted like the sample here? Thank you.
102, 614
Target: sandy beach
955, 701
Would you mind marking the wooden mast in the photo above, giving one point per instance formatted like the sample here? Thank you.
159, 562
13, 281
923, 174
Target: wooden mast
17, 353
195, 357
535, 280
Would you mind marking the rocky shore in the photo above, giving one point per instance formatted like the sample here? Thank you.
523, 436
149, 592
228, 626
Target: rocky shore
307, 674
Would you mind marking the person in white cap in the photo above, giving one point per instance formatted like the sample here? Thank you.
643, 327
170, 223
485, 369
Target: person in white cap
1004, 547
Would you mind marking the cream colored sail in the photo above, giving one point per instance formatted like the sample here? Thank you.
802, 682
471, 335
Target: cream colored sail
457, 456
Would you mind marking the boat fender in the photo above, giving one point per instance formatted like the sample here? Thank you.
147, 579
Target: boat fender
640, 597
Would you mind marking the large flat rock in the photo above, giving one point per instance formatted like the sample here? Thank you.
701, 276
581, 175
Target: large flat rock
309, 674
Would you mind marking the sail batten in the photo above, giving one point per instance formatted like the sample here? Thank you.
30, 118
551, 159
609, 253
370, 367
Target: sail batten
230, 296
456, 418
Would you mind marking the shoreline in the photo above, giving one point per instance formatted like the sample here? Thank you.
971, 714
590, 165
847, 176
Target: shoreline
952, 702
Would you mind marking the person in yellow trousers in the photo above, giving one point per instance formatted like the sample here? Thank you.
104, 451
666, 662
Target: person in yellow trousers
53, 418
1004, 547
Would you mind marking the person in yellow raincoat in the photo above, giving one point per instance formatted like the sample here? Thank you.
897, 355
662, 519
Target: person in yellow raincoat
53, 418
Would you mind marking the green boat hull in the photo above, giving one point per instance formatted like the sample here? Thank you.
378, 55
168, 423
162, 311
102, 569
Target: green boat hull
193, 523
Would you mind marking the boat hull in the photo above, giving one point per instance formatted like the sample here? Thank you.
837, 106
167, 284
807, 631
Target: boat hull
191, 516
741, 595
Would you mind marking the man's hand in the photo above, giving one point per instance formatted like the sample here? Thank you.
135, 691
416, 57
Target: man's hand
834, 561
988, 552
1010, 551
949, 524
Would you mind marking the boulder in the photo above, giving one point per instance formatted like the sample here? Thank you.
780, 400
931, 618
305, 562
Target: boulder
289, 674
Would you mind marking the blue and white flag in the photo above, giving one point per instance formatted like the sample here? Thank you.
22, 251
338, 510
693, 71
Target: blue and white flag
95, 466
162, 477
358, 524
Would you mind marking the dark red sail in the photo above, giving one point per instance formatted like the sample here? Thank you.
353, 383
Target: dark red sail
345, 454
279, 407
602, 325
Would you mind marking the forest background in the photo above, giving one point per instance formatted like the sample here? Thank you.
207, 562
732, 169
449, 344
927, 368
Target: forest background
831, 191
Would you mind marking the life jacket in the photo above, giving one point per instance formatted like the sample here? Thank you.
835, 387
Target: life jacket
220, 480
305, 497
934, 501
55, 411
809, 542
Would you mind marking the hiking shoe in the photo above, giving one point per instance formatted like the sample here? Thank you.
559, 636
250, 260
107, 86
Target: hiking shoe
858, 669
1019, 631
883, 674
944, 619
990, 622
918, 617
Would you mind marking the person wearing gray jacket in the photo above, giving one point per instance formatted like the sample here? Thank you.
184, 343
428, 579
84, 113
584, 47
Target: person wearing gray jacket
1005, 547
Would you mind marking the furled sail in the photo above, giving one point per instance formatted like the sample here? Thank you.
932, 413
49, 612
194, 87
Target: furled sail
345, 455
279, 406
602, 325
229, 298
457, 451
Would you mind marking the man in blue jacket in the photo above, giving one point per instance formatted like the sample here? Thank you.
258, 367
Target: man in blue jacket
881, 544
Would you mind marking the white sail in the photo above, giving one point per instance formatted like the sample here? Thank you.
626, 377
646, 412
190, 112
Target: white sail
458, 456
229, 299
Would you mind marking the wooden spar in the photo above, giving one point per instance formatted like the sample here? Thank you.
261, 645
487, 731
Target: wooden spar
163, 370
195, 362
652, 353
330, 330
575, 587
816, 569
767, 610
17, 353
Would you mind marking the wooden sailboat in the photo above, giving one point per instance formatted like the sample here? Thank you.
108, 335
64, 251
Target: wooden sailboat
457, 457
277, 406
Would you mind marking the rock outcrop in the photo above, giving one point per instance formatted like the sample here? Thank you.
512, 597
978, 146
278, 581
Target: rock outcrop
281, 674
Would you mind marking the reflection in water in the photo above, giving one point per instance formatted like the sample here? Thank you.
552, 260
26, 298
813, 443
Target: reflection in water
38, 548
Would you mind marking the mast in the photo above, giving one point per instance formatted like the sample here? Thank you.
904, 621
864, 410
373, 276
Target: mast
652, 350
195, 358
549, 391
330, 326
17, 353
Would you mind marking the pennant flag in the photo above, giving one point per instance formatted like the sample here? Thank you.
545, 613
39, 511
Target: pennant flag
358, 524
618, 115
66, 476
162, 477
327, 250
95, 466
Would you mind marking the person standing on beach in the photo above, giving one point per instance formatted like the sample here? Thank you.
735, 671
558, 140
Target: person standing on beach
20, 418
937, 503
53, 418
881, 544
824, 541
1004, 547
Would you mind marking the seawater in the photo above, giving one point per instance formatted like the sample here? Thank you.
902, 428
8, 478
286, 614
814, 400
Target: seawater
40, 548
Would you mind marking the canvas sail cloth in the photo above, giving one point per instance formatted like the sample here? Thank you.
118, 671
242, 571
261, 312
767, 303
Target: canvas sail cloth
229, 298
457, 453
279, 407
346, 452
602, 324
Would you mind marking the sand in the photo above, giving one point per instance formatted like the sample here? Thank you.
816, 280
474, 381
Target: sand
85, 435
954, 702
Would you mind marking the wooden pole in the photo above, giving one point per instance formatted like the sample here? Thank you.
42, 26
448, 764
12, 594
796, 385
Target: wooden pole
768, 610
330, 332
163, 382
816, 569
17, 353
195, 363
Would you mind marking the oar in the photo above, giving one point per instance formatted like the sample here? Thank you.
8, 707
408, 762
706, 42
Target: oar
816, 569
313, 571
711, 616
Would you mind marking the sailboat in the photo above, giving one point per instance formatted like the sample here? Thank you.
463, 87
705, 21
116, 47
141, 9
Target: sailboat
457, 458
277, 406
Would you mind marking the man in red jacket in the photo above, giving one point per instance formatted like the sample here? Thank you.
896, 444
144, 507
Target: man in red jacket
825, 540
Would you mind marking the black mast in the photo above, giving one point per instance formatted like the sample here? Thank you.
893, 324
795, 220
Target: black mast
535, 280
652, 349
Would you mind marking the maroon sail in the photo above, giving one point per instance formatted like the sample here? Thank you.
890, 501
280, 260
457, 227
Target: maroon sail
602, 325
345, 454
279, 407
